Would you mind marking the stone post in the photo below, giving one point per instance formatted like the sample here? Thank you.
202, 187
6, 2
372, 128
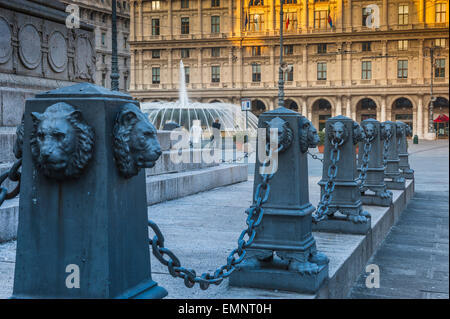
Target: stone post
390, 153
345, 212
407, 172
283, 254
82, 224
375, 171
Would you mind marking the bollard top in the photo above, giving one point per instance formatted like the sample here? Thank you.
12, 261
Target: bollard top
370, 121
281, 111
84, 89
340, 118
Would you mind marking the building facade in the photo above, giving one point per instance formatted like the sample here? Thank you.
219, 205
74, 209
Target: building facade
358, 58
98, 14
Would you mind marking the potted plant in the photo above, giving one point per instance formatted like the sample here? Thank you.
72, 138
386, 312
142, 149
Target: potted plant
321, 144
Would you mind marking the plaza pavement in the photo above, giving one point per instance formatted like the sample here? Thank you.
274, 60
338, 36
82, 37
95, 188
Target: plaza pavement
203, 228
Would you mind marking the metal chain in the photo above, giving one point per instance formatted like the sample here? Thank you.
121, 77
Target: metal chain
14, 175
387, 141
237, 159
322, 208
255, 215
365, 161
315, 156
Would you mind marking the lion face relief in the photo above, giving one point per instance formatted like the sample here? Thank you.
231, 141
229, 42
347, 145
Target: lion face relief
307, 135
408, 130
61, 141
358, 133
386, 130
135, 141
285, 134
337, 132
370, 130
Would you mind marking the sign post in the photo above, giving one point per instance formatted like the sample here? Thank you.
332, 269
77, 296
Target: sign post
246, 105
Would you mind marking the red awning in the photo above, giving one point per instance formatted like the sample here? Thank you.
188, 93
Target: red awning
441, 118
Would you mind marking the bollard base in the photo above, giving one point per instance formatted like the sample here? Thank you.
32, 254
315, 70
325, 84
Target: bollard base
375, 200
145, 290
274, 276
340, 224
396, 184
408, 173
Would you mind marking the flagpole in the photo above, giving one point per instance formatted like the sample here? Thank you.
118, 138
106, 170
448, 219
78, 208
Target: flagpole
280, 70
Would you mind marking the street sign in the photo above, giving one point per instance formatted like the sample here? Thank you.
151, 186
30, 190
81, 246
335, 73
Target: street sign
246, 105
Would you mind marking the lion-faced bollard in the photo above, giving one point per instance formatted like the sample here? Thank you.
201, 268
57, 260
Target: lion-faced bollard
391, 160
286, 224
407, 171
374, 179
83, 210
339, 179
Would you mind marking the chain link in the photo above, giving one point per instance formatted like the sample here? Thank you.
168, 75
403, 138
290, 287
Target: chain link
365, 162
255, 215
234, 160
322, 208
315, 156
14, 175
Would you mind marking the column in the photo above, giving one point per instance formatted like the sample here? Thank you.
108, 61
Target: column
132, 70
384, 63
421, 13
339, 15
171, 69
383, 108
348, 108
273, 13
132, 22
200, 18
230, 66
349, 64
240, 67
353, 108
338, 110
274, 67
305, 66
170, 18
141, 70
304, 18
304, 108
385, 15
141, 21
230, 16
348, 16
200, 67
238, 23
420, 78
310, 14
339, 65
420, 117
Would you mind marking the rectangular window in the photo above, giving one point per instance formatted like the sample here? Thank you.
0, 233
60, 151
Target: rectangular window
290, 1
155, 26
184, 25
185, 53
184, 4
256, 22
366, 46
402, 69
103, 38
125, 40
156, 54
156, 75
322, 48
256, 3
156, 5
256, 51
288, 49
103, 59
403, 13
125, 61
256, 72
215, 52
321, 71
366, 70
215, 3
187, 73
215, 74
439, 69
440, 42
402, 45
320, 19
215, 24
289, 74
104, 79
440, 12
365, 13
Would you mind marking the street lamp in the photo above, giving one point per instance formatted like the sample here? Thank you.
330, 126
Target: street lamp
114, 67
432, 50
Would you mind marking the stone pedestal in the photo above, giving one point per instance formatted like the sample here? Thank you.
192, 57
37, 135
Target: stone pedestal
375, 172
96, 222
403, 155
392, 171
345, 211
284, 255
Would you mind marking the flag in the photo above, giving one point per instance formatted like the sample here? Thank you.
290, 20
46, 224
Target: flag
330, 22
287, 22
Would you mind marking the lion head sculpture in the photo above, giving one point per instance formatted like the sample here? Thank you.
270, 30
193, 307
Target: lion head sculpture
400, 128
135, 141
336, 131
307, 135
285, 134
386, 130
370, 130
61, 141
358, 133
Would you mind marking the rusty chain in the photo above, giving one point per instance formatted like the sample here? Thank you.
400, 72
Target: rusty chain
14, 175
322, 209
255, 215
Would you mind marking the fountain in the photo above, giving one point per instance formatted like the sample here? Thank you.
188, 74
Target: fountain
185, 112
